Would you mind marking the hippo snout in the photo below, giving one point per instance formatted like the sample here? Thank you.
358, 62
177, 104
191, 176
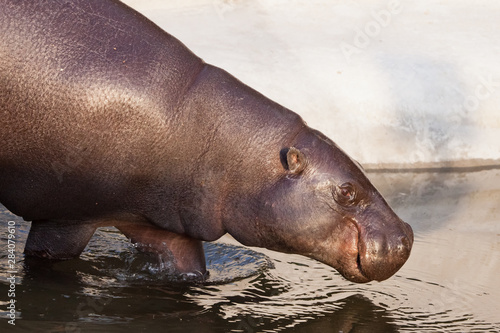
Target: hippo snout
383, 251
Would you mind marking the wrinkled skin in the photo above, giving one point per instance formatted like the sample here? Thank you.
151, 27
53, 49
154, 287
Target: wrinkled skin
108, 120
335, 210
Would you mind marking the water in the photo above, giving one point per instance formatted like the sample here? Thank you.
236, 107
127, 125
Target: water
449, 284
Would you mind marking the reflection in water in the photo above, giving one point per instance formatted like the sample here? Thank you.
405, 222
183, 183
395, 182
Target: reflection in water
448, 285
356, 314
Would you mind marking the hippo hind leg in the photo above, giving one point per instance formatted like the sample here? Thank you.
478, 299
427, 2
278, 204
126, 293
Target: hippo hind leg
182, 254
58, 239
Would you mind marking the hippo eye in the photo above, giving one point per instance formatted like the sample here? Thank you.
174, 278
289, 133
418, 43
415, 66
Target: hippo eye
345, 194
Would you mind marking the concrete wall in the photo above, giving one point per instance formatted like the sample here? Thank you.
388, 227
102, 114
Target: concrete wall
396, 84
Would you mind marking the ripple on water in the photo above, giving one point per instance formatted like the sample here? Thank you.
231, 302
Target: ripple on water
225, 262
299, 288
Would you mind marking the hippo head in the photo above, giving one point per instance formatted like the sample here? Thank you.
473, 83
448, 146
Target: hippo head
324, 207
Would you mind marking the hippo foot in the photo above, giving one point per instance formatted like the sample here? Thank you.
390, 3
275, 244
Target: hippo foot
58, 239
179, 255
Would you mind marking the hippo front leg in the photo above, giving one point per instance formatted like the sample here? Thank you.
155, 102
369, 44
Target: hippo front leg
58, 239
183, 254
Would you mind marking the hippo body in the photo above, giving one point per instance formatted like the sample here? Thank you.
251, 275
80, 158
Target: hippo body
106, 120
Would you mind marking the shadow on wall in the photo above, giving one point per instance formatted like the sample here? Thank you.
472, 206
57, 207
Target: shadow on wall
433, 109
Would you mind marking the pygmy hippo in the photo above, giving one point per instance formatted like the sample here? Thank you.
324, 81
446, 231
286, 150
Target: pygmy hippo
106, 120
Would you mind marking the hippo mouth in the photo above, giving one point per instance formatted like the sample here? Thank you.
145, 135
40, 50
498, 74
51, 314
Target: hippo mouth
352, 267
365, 257
357, 270
355, 273
348, 254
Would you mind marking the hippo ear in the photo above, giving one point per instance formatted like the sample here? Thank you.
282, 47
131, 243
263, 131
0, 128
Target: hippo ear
293, 160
